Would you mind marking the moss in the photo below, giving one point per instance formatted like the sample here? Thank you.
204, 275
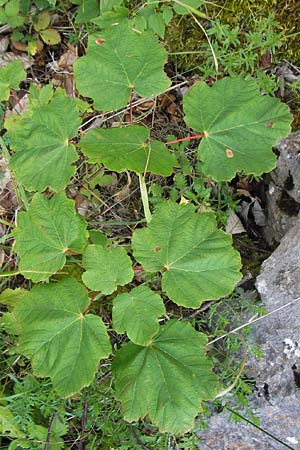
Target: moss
184, 35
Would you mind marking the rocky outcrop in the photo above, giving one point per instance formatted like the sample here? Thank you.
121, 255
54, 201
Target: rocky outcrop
283, 194
276, 400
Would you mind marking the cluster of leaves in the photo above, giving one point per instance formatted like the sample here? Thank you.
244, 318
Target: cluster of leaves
162, 369
31, 23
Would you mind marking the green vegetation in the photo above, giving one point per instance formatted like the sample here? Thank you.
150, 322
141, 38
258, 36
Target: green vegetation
104, 343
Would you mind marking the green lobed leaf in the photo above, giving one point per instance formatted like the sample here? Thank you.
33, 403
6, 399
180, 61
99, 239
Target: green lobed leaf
127, 148
240, 127
136, 313
118, 62
166, 380
197, 261
106, 268
40, 137
10, 78
45, 233
61, 340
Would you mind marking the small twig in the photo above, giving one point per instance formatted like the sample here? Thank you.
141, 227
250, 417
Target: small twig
252, 321
136, 438
134, 104
259, 428
50, 428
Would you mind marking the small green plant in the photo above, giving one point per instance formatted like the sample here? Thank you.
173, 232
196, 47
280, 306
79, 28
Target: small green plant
241, 51
64, 325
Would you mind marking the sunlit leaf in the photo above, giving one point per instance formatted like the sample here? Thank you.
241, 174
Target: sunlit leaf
166, 380
136, 313
118, 62
46, 233
106, 268
240, 126
127, 148
62, 341
41, 139
197, 261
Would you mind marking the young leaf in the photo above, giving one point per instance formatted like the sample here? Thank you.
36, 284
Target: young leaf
240, 127
10, 78
106, 268
127, 148
40, 138
46, 233
50, 36
136, 313
61, 340
118, 62
166, 380
43, 21
197, 261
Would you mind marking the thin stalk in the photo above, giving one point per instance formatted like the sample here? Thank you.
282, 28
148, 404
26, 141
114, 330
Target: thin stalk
90, 304
259, 428
5, 222
194, 12
130, 107
145, 199
189, 138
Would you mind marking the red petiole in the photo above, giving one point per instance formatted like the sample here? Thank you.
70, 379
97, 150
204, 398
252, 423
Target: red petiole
189, 138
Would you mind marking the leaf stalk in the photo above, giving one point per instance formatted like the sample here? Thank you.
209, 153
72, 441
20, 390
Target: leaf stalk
145, 199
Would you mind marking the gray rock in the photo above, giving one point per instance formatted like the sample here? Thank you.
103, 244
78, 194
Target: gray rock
276, 400
279, 333
225, 434
283, 195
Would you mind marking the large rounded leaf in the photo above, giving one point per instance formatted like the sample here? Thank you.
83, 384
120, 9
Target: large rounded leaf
106, 268
61, 340
196, 259
240, 127
128, 148
137, 313
45, 233
118, 62
166, 380
40, 137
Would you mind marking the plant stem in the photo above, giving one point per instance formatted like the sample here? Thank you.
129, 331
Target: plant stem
145, 200
18, 188
189, 138
258, 427
130, 107
90, 304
